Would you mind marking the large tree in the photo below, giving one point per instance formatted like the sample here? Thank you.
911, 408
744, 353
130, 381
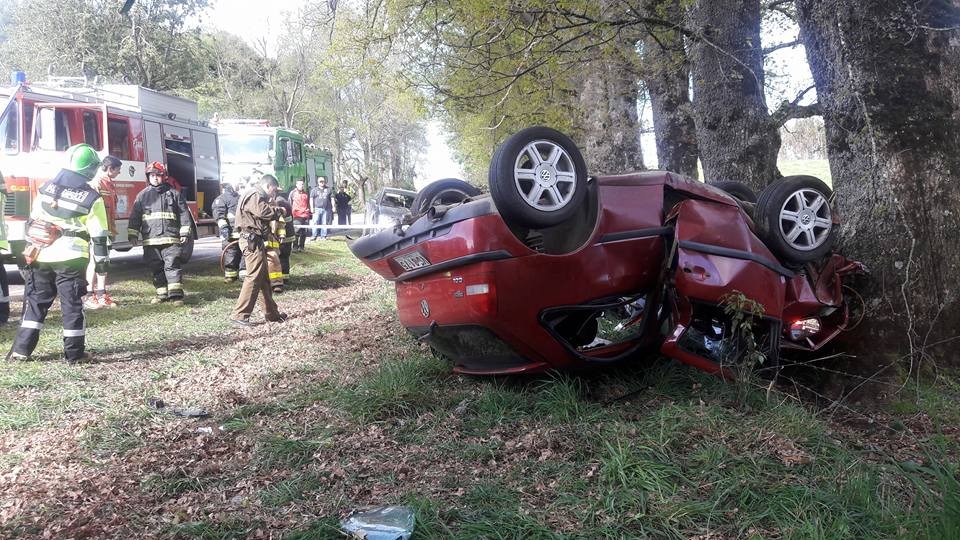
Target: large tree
887, 79
666, 73
736, 137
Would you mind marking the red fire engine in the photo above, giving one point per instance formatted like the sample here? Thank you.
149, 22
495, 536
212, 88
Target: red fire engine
134, 124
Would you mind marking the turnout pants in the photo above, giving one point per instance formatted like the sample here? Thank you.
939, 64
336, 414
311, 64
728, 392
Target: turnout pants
4, 296
41, 285
231, 259
274, 269
256, 283
285, 249
164, 263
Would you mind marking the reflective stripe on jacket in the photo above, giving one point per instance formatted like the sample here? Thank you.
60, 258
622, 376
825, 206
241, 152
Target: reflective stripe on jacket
71, 204
159, 216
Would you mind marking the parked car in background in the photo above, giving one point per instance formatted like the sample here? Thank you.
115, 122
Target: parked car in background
556, 269
389, 206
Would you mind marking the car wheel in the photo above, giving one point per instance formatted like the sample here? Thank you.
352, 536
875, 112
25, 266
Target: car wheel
445, 191
795, 219
737, 190
537, 178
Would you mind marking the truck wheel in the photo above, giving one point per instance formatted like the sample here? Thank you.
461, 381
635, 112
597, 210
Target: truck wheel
794, 218
537, 178
445, 191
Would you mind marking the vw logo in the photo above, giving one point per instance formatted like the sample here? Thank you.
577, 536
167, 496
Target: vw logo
544, 175
424, 308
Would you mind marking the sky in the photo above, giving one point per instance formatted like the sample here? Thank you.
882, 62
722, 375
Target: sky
255, 19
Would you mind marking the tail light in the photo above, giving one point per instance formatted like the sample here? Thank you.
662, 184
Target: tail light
482, 298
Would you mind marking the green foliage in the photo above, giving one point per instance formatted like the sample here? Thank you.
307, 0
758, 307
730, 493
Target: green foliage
156, 46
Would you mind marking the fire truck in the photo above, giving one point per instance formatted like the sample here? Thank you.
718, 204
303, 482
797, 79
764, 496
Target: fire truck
250, 148
136, 125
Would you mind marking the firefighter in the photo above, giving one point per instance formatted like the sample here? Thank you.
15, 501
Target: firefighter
288, 236
160, 217
4, 246
225, 212
254, 214
67, 216
276, 231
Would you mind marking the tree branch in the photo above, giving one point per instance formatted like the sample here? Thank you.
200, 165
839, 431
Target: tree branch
777, 47
789, 110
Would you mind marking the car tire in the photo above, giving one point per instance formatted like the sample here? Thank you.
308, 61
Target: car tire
444, 191
537, 178
737, 190
795, 220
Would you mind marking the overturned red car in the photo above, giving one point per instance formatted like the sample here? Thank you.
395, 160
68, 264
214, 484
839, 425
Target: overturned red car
555, 269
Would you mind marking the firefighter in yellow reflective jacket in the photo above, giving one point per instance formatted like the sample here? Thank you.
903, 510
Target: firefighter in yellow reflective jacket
160, 217
4, 248
67, 216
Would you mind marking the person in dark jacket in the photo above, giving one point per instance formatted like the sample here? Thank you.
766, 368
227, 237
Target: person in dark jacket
160, 220
224, 210
322, 207
342, 200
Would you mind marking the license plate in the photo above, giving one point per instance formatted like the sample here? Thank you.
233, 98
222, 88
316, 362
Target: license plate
411, 261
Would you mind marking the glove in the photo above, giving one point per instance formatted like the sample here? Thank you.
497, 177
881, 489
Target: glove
134, 241
225, 233
102, 266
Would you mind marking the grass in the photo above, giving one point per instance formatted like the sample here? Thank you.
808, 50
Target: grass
655, 450
213, 530
276, 452
399, 387
290, 490
813, 167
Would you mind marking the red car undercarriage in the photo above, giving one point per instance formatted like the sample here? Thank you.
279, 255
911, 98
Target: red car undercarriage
636, 263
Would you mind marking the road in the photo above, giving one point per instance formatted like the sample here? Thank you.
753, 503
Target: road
129, 264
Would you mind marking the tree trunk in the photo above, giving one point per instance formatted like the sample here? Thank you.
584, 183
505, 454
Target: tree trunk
736, 137
887, 80
667, 76
608, 99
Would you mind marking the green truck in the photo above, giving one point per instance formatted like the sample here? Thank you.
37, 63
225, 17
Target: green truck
251, 148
